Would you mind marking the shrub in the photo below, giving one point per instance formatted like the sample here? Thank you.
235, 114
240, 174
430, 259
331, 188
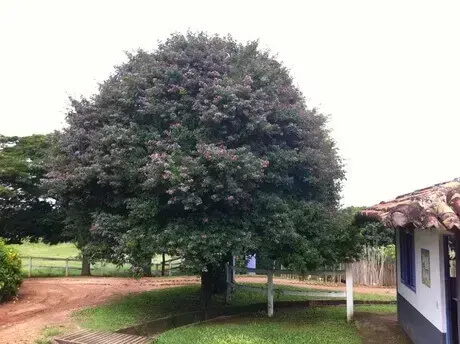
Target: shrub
10, 272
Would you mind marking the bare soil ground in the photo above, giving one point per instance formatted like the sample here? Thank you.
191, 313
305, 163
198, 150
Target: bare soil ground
46, 302
50, 301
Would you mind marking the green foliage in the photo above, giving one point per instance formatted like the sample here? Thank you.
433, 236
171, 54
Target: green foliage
202, 148
375, 234
10, 272
24, 209
371, 233
390, 251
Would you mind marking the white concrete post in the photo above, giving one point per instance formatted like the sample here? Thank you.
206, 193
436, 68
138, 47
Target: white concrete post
270, 293
349, 278
30, 266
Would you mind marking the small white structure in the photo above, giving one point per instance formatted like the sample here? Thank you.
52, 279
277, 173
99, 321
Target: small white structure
427, 227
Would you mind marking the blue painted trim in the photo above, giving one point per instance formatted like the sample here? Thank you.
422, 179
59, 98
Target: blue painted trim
445, 245
407, 258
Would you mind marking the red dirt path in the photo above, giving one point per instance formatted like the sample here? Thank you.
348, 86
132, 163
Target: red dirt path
50, 301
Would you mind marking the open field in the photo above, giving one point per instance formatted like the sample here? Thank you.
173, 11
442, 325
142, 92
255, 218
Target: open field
57, 268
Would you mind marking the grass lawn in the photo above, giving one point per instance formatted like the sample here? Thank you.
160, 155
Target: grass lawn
313, 326
356, 296
138, 308
39, 249
47, 268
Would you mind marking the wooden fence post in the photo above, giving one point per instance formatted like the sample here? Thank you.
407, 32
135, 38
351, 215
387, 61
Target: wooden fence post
163, 263
228, 278
30, 266
270, 293
349, 282
67, 267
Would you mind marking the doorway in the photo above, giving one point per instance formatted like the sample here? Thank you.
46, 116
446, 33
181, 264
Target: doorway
451, 289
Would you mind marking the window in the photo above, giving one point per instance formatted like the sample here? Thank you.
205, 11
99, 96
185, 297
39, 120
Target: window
407, 254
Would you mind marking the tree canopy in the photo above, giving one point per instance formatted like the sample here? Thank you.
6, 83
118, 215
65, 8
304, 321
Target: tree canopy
24, 211
203, 148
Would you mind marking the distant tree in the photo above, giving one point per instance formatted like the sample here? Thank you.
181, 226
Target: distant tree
373, 232
25, 212
204, 148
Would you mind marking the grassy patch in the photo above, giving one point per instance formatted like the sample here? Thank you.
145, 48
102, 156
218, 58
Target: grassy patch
379, 309
313, 326
64, 250
138, 308
48, 333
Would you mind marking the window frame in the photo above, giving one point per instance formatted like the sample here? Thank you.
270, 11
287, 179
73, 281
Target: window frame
407, 258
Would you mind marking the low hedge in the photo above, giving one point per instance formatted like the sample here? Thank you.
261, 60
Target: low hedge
10, 272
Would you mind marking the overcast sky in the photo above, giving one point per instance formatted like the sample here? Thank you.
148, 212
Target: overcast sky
388, 72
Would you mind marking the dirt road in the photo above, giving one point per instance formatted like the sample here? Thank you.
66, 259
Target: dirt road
50, 301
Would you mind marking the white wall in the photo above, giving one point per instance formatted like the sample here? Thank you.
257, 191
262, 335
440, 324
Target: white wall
430, 301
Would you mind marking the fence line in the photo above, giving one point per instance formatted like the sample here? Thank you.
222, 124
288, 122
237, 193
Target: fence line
365, 272
270, 290
172, 264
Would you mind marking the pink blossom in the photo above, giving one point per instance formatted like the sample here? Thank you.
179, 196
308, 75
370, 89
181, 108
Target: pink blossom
234, 157
170, 191
176, 125
167, 175
230, 198
204, 236
265, 163
206, 220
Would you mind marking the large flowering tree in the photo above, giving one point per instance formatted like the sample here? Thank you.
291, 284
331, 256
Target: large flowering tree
204, 148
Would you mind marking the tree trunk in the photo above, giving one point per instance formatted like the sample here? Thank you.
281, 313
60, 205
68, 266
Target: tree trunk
213, 281
147, 270
206, 287
143, 266
163, 265
85, 266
